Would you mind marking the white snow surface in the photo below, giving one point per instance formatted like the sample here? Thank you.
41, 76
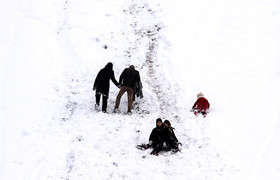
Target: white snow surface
51, 52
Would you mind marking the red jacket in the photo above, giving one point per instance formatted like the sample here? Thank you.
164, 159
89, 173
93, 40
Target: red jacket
201, 104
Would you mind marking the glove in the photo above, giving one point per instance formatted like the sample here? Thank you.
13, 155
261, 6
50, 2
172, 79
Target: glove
94, 88
150, 143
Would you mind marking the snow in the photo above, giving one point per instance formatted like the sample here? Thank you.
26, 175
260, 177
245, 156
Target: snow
51, 52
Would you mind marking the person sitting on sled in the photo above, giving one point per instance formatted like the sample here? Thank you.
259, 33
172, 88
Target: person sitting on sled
169, 140
201, 105
155, 138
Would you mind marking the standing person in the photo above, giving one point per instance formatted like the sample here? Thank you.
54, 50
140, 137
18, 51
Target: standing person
201, 105
128, 78
155, 138
101, 85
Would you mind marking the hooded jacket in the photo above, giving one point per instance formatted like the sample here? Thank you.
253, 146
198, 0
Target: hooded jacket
102, 80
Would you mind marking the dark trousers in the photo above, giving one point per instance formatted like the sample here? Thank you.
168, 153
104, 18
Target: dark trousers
172, 144
157, 147
104, 101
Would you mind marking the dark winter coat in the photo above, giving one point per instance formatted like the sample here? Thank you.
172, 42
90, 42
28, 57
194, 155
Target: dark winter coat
129, 77
201, 104
102, 80
156, 135
168, 135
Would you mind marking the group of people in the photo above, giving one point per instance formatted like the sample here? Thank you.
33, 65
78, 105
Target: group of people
129, 82
161, 138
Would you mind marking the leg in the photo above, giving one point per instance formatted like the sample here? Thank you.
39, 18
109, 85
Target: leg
104, 103
97, 99
118, 100
157, 149
204, 113
129, 98
173, 144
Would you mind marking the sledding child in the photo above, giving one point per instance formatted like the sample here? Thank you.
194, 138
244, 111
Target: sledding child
201, 105
169, 140
155, 138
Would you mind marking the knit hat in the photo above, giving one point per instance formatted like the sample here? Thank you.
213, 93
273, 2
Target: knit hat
131, 67
199, 95
167, 122
158, 119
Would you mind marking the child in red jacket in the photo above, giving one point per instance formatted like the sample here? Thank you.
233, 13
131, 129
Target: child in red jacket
201, 105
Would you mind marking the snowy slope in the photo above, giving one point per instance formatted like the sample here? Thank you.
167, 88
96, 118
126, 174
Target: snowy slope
52, 51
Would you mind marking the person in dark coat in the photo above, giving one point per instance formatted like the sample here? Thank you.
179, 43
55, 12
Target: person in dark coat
169, 139
156, 134
201, 105
101, 85
128, 78
155, 138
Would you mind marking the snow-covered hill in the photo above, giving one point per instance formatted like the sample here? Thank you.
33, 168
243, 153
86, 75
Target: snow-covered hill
51, 52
